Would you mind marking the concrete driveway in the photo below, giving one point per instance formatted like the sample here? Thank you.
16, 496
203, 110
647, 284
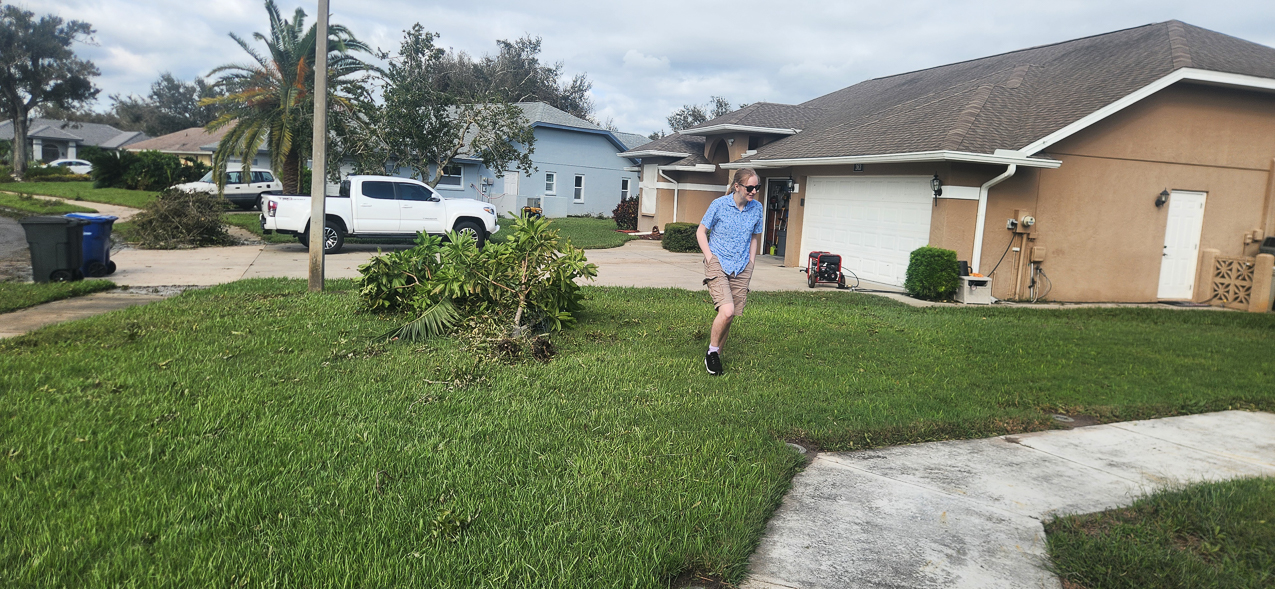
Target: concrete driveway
969, 513
636, 263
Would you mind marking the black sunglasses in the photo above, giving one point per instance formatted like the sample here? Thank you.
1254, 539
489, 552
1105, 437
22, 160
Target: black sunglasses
752, 188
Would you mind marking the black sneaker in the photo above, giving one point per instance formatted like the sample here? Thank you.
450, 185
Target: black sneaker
713, 362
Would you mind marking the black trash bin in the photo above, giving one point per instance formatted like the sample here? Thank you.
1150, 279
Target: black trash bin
56, 248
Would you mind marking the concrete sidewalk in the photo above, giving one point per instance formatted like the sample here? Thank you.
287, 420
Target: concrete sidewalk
969, 513
25, 320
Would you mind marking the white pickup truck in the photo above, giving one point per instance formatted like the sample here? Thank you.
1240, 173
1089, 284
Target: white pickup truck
380, 206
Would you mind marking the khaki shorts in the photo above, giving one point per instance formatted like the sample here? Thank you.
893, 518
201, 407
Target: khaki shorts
726, 288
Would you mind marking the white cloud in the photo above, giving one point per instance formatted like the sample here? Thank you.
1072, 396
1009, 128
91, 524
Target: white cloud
645, 63
635, 59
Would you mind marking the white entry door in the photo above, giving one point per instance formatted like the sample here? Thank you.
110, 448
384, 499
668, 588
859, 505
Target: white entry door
873, 223
1181, 245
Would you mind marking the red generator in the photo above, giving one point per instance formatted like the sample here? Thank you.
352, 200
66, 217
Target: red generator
824, 267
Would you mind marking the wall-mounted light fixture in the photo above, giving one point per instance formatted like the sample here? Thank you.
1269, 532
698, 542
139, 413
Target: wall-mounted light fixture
937, 186
1163, 198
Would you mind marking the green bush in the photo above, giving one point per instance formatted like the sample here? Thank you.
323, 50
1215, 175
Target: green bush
6, 174
142, 170
680, 237
43, 173
177, 219
505, 292
109, 167
933, 273
626, 213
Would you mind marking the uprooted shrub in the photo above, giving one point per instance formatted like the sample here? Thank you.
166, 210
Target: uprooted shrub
508, 296
177, 219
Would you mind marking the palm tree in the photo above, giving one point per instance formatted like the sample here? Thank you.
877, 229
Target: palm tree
270, 100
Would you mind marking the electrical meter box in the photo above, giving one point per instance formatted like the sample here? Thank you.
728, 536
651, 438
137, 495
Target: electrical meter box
974, 290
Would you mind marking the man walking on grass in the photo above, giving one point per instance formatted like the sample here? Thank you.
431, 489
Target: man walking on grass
730, 237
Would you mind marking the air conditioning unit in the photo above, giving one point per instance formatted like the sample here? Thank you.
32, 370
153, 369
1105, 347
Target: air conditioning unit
533, 201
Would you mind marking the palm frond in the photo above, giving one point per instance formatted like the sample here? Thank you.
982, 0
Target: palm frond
434, 322
248, 48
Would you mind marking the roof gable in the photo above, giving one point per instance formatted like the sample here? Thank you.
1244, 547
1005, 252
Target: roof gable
1013, 100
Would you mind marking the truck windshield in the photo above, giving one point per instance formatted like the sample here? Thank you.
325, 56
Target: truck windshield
207, 178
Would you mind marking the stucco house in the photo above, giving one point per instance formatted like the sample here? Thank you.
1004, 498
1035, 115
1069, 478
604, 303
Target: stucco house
1107, 168
198, 144
49, 139
576, 169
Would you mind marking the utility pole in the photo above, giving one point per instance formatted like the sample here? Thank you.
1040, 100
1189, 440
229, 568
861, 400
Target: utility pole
319, 154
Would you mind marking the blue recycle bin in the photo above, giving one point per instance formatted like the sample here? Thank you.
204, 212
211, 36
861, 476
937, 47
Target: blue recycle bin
97, 244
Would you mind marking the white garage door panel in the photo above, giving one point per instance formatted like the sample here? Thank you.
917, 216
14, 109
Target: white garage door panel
872, 223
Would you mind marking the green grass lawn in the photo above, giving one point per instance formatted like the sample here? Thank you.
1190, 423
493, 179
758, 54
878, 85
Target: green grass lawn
250, 433
18, 206
20, 295
585, 232
84, 191
1219, 534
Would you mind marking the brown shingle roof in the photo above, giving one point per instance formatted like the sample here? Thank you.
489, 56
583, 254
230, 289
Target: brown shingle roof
675, 143
766, 114
184, 141
1008, 101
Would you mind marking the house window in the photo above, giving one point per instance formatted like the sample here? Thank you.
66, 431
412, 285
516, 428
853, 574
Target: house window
451, 175
624, 188
551, 183
579, 187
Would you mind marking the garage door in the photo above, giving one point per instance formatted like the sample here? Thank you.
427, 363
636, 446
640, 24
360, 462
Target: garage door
872, 223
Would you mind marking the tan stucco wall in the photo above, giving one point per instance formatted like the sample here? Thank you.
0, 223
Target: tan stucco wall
1095, 214
691, 204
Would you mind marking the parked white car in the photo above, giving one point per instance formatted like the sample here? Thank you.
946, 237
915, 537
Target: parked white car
380, 206
76, 166
243, 190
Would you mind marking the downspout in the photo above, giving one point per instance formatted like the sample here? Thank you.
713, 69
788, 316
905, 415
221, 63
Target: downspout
676, 186
981, 222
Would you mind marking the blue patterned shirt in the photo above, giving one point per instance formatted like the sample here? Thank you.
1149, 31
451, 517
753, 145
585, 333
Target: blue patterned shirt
731, 231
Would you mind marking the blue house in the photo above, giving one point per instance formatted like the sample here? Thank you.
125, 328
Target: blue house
576, 169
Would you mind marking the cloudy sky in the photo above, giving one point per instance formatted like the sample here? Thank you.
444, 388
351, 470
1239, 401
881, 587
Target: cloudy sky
647, 58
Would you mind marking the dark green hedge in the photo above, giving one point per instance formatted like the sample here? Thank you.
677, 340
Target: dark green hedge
680, 237
933, 273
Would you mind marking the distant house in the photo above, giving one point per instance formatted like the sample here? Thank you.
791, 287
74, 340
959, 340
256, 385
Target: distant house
196, 143
1109, 168
577, 171
49, 139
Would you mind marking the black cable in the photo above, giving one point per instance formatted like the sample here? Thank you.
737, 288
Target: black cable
998, 262
1049, 282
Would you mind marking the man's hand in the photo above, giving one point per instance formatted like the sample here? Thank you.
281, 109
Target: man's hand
701, 235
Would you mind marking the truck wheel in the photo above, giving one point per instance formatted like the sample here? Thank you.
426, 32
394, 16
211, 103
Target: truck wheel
333, 239
473, 230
